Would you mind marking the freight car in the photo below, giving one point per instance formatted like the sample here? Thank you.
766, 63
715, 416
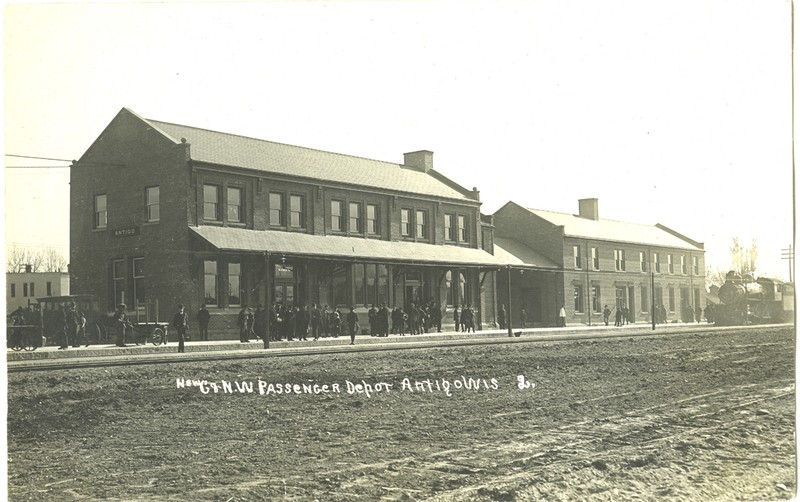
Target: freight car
746, 301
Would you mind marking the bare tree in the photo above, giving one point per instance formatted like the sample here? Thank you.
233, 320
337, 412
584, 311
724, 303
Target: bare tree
53, 261
45, 260
715, 277
744, 258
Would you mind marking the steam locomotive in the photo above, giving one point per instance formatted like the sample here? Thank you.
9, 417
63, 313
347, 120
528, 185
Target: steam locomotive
746, 301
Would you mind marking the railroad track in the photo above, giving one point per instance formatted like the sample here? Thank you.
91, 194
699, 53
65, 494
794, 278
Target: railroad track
433, 342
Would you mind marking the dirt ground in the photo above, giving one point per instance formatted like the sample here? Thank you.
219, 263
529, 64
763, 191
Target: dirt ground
707, 416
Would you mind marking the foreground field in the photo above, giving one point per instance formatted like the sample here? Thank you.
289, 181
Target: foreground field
686, 417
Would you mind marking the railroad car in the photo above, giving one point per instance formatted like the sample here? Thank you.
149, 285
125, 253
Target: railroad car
746, 301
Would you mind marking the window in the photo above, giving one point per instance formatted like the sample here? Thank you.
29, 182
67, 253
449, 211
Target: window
355, 217
138, 280
645, 306
462, 228
276, 209
370, 284
695, 265
234, 284
337, 218
405, 222
118, 274
49, 288
670, 264
450, 227
235, 205
422, 224
671, 292
642, 262
24, 289
656, 263
595, 258
210, 282
13, 290
372, 219
31, 289
683, 264
596, 299
576, 254
578, 295
297, 217
152, 198
100, 211
211, 203
619, 259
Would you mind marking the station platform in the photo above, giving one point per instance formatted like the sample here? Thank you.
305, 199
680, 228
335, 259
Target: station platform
50, 353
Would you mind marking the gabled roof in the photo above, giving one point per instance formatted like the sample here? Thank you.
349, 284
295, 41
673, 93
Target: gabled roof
515, 253
612, 230
240, 151
334, 246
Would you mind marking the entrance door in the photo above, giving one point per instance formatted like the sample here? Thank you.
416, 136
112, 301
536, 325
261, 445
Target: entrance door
413, 293
283, 291
531, 301
631, 309
622, 297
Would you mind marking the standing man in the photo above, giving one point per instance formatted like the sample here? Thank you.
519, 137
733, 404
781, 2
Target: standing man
180, 321
203, 318
501, 317
383, 320
122, 324
523, 317
242, 323
606, 314
352, 325
456, 318
562, 317
72, 326
316, 320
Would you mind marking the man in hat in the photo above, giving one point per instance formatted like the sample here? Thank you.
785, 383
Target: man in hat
180, 321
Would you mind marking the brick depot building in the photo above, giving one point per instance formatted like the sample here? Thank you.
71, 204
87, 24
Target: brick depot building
167, 212
595, 262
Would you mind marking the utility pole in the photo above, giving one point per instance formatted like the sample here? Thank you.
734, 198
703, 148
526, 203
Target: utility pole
508, 314
653, 299
788, 254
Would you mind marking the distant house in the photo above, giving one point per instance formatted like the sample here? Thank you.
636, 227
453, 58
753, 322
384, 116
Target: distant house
23, 288
599, 262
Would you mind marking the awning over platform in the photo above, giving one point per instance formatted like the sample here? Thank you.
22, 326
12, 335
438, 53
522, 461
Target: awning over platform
515, 253
334, 246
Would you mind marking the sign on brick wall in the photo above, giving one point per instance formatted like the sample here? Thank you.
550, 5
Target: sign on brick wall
125, 232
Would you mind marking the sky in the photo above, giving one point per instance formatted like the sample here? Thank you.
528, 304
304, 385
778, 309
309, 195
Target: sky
668, 112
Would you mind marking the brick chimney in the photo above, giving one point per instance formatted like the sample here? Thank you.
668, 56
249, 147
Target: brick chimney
421, 160
587, 208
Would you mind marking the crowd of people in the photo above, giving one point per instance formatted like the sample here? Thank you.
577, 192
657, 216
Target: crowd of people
301, 322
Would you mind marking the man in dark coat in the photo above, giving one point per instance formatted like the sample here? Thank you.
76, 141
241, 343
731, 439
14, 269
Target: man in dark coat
352, 325
180, 321
501, 317
242, 323
383, 320
203, 318
412, 320
457, 318
316, 321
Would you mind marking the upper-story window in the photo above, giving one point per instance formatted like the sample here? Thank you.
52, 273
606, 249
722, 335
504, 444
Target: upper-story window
152, 203
354, 214
695, 265
576, 255
373, 227
297, 217
462, 228
683, 264
276, 209
235, 205
595, 258
450, 227
670, 264
405, 222
100, 211
211, 203
619, 259
642, 262
422, 224
656, 263
337, 216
